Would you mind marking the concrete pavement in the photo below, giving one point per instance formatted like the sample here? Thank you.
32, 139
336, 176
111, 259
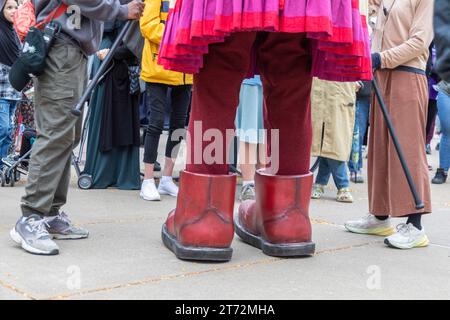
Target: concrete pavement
124, 257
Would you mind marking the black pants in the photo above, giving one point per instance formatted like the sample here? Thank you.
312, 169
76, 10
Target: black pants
157, 99
431, 118
27, 137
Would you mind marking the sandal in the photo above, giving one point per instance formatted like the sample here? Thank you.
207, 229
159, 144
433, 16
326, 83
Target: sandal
344, 195
318, 191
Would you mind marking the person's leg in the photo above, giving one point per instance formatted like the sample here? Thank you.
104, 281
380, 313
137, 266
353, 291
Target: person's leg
7, 109
444, 117
443, 104
4, 120
248, 160
156, 100
415, 220
280, 214
248, 122
56, 94
339, 173
341, 180
322, 178
324, 173
180, 98
431, 118
353, 167
363, 123
62, 189
26, 144
201, 227
214, 102
287, 87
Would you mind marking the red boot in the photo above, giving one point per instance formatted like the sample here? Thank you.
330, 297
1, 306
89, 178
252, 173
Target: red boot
201, 227
278, 221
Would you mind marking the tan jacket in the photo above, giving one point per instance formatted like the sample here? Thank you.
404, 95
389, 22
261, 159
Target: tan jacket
333, 116
402, 37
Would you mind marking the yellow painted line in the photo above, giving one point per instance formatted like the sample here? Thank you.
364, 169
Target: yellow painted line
17, 290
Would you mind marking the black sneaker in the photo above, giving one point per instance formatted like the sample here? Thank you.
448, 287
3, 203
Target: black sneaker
440, 177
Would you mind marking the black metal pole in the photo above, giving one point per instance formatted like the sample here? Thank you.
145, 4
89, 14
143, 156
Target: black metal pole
412, 186
78, 109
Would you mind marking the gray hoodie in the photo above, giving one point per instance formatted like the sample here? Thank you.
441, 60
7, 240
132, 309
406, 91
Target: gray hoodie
93, 13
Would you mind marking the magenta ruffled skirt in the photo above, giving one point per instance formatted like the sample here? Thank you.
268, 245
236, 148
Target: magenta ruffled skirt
337, 31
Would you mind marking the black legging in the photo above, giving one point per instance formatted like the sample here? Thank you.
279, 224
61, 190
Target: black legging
156, 105
26, 144
431, 117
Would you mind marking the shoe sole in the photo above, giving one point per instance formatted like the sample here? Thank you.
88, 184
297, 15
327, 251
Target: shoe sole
165, 193
418, 244
275, 250
194, 253
68, 237
17, 238
149, 199
376, 231
345, 201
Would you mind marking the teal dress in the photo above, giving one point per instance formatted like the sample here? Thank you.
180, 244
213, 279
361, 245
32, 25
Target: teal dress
118, 167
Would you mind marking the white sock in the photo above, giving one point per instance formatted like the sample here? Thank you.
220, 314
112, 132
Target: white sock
150, 180
246, 183
166, 179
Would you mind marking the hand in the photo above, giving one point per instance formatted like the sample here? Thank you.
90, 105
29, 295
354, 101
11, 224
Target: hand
135, 9
102, 54
376, 61
358, 86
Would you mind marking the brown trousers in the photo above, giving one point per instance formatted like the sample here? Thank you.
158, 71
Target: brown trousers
406, 97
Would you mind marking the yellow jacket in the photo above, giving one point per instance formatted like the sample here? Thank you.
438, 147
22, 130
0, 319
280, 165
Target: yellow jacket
152, 28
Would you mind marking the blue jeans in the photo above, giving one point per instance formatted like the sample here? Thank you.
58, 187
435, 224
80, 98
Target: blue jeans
443, 103
338, 169
7, 108
361, 120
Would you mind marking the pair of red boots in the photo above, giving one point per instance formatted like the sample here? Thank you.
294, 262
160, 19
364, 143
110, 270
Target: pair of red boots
202, 228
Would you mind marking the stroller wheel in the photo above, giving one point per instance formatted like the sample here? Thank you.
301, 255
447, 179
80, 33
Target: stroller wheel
2, 178
12, 180
85, 182
16, 176
6, 180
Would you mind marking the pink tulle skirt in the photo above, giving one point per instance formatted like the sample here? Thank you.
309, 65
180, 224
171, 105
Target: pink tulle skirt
337, 31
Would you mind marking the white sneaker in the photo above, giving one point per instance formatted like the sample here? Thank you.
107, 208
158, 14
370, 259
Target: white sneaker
149, 191
371, 225
407, 237
168, 187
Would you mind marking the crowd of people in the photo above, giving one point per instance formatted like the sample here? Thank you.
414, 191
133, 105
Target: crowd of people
254, 81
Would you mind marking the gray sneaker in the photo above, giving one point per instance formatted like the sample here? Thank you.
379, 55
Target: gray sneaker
248, 192
61, 228
31, 233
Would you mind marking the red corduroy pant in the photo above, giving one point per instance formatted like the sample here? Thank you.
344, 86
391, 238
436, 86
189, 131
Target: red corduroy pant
284, 62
